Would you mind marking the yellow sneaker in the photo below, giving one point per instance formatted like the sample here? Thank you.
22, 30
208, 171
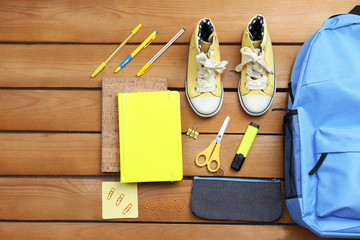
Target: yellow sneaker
204, 89
257, 84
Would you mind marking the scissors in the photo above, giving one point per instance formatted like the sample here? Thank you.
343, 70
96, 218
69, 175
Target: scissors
212, 152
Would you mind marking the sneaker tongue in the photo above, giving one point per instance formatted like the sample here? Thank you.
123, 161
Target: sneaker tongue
257, 44
206, 45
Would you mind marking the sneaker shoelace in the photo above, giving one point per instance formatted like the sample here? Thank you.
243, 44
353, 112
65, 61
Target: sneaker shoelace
256, 78
208, 67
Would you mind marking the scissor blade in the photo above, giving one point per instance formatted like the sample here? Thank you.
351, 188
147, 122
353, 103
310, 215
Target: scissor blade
222, 130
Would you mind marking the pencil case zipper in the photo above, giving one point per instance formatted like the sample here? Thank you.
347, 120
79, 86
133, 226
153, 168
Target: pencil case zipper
237, 179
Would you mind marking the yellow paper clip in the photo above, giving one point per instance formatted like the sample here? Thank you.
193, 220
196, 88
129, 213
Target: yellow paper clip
191, 132
147, 204
163, 205
155, 205
172, 204
181, 205
112, 190
120, 198
127, 208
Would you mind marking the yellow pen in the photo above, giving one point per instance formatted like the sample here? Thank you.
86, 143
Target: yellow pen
147, 66
144, 44
103, 64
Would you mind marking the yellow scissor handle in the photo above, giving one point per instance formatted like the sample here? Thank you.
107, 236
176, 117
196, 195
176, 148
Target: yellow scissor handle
211, 154
206, 153
215, 157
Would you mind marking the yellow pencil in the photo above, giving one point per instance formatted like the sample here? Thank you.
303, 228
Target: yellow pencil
103, 64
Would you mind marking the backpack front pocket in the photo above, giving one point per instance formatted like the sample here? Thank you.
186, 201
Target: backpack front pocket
338, 172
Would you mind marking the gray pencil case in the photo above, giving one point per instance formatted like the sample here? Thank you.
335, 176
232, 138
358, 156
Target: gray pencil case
237, 199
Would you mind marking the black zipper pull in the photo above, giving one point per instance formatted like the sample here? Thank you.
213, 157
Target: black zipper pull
291, 93
318, 164
281, 109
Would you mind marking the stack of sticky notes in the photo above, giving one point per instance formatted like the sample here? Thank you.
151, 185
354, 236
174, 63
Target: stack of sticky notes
119, 200
150, 136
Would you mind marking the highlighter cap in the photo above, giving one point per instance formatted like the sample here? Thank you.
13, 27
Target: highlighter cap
238, 162
254, 125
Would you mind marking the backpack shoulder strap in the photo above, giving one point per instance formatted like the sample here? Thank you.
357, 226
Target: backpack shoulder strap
355, 10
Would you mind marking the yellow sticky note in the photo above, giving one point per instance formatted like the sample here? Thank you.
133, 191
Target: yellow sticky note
119, 200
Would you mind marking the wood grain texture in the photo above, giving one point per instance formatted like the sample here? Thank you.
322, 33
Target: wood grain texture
80, 154
55, 110
80, 199
50, 110
265, 159
50, 154
71, 65
66, 203
102, 231
112, 21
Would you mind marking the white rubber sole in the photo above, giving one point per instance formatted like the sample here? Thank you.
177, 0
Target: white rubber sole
205, 115
252, 113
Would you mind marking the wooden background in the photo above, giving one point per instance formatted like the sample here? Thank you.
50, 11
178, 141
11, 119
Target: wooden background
50, 111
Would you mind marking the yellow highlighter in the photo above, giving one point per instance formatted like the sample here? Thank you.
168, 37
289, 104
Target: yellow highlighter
245, 146
103, 64
144, 44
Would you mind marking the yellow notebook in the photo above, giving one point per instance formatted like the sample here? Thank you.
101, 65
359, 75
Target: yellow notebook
150, 136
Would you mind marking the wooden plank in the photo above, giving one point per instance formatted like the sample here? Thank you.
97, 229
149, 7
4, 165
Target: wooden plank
270, 122
50, 154
79, 154
50, 110
98, 231
265, 158
108, 21
55, 110
80, 199
71, 65
110, 121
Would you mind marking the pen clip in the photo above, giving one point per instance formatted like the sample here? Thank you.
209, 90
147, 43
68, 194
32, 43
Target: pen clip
150, 41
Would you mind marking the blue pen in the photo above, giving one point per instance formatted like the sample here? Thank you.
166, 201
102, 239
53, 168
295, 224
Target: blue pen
144, 44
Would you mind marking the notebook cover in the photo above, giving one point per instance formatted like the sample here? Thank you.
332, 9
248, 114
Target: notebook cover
150, 136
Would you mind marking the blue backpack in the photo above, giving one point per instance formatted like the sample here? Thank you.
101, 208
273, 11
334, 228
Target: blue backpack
322, 131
